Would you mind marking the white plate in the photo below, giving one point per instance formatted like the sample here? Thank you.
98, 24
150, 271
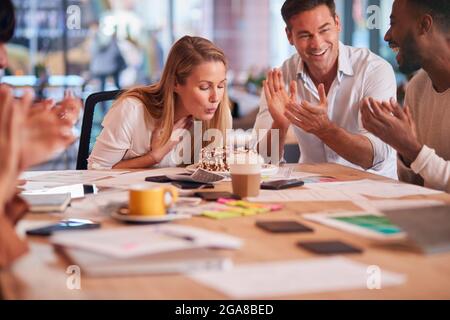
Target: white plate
267, 170
121, 214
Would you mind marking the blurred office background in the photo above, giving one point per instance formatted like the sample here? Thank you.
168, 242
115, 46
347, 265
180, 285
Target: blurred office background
59, 44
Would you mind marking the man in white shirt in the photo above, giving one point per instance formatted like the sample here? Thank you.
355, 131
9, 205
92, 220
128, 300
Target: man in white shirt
332, 81
420, 132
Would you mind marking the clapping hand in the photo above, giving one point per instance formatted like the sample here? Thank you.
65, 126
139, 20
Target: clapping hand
311, 118
278, 98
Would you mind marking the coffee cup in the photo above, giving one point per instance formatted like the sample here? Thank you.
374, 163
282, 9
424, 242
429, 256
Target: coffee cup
246, 179
151, 201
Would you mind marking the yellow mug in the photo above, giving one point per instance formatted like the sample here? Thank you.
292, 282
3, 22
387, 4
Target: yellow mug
145, 201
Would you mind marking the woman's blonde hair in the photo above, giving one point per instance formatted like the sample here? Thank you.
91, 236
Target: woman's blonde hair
159, 98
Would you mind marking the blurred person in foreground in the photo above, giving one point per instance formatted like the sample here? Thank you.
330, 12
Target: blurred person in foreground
29, 134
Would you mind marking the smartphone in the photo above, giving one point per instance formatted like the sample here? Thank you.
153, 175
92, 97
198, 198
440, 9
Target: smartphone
283, 226
329, 247
282, 184
192, 185
214, 196
90, 189
64, 225
158, 179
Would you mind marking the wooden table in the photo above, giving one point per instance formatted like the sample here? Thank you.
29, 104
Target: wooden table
42, 273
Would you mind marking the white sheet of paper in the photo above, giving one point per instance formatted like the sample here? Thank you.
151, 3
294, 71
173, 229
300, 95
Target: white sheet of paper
101, 199
39, 186
294, 195
376, 188
75, 176
403, 204
285, 173
26, 175
293, 277
126, 180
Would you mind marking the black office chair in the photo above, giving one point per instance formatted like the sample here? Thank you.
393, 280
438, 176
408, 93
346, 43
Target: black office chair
86, 140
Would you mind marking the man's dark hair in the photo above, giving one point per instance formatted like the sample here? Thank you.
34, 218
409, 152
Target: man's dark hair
293, 7
439, 10
7, 20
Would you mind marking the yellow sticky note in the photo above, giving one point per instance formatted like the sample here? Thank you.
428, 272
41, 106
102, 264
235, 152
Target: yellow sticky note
221, 214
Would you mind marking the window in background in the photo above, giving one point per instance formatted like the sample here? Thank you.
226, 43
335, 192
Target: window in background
361, 36
385, 51
42, 46
280, 48
193, 17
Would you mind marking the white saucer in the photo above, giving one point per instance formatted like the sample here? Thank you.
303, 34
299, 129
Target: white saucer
267, 170
122, 215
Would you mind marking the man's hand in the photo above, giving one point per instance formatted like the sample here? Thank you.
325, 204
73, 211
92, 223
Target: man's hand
278, 99
393, 125
311, 118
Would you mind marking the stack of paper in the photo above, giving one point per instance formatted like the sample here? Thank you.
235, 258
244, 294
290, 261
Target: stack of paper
184, 261
148, 249
47, 203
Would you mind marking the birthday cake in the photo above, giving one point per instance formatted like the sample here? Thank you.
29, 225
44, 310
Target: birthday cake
219, 158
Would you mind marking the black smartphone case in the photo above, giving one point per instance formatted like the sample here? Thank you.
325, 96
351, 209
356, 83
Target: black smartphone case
186, 185
214, 196
158, 179
282, 184
283, 226
329, 247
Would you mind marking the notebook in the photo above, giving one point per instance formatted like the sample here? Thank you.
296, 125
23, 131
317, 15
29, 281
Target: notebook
427, 227
185, 261
47, 202
369, 225
133, 242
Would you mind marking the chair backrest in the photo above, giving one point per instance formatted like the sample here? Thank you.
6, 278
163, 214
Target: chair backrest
87, 139
291, 153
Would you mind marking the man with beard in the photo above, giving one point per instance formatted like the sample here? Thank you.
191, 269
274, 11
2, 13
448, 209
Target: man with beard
420, 132
328, 82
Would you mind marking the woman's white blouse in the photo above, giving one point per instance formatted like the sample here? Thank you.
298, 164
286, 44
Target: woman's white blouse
127, 132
